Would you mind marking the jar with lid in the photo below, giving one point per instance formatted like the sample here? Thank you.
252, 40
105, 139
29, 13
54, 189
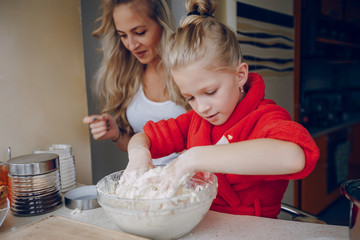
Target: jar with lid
34, 181
3, 174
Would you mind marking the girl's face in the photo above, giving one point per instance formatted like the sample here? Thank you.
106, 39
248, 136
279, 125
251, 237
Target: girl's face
213, 94
139, 33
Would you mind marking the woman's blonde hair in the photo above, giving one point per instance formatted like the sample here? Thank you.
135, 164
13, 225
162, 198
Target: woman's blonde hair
202, 37
120, 73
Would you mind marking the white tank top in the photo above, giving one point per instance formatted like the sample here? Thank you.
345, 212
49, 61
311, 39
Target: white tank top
141, 110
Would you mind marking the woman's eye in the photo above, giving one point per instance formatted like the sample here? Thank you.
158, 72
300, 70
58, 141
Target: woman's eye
141, 33
122, 35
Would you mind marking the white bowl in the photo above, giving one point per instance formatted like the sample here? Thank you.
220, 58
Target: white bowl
63, 150
67, 166
68, 181
65, 183
67, 174
167, 218
4, 212
67, 161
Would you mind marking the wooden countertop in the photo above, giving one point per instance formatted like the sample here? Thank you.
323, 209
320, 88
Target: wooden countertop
214, 226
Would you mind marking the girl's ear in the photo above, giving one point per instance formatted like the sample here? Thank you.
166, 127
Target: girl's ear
242, 72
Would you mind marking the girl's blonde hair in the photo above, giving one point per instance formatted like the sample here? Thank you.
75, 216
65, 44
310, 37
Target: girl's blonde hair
202, 37
120, 73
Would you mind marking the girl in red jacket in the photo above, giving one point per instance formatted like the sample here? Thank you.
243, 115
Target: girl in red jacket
248, 141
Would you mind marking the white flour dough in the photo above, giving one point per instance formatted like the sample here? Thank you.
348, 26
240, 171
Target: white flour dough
147, 186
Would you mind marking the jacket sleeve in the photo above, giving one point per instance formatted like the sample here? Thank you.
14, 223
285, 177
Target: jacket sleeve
168, 136
296, 133
277, 126
274, 122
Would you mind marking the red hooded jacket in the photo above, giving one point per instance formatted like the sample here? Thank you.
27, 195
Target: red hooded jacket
254, 117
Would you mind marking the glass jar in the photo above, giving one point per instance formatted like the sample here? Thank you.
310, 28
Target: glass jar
34, 182
3, 174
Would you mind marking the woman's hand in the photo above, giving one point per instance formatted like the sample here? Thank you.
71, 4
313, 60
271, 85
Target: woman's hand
103, 127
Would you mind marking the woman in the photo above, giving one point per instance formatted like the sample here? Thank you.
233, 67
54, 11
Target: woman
131, 82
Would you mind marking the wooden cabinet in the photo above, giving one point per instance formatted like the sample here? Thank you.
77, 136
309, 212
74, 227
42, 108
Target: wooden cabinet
329, 29
327, 54
339, 161
354, 159
314, 196
332, 8
352, 11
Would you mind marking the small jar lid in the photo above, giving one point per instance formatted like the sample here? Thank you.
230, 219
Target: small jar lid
83, 198
33, 164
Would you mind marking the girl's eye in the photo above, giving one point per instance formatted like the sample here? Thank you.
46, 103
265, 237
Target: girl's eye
190, 99
211, 92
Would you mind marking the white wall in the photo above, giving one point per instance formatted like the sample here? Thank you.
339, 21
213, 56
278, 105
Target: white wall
280, 91
42, 82
178, 9
282, 6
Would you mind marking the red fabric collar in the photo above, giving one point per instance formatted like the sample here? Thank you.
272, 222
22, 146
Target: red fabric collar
211, 134
255, 92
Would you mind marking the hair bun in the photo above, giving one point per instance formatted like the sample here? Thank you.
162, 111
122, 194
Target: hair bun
197, 13
204, 8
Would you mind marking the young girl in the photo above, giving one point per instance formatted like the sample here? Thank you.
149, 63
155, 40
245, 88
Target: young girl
248, 141
131, 84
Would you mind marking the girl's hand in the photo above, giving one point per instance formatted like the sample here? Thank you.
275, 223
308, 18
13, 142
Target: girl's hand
139, 162
102, 127
177, 174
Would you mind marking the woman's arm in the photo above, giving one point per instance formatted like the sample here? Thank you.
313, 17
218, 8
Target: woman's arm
122, 141
105, 127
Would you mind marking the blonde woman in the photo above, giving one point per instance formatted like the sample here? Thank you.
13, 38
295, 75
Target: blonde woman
131, 82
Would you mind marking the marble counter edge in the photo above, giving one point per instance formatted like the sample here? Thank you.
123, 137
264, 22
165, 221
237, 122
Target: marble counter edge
213, 226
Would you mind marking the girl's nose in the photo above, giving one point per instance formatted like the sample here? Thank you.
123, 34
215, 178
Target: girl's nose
203, 107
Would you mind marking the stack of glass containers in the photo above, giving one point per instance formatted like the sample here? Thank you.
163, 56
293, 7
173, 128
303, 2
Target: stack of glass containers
34, 182
67, 163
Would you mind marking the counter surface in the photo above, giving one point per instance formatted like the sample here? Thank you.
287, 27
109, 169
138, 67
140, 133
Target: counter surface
316, 132
214, 226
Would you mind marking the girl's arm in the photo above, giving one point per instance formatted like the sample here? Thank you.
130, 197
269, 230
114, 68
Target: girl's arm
139, 153
139, 159
252, 157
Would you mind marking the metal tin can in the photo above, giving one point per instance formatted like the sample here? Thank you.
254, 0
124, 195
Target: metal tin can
34, 182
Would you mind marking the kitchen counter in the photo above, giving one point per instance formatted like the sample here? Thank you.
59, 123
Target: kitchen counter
316, 132
214, 226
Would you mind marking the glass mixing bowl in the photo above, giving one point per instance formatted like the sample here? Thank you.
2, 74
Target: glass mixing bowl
167, 218
4, 212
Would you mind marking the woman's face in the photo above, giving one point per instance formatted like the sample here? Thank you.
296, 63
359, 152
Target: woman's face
139, 33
